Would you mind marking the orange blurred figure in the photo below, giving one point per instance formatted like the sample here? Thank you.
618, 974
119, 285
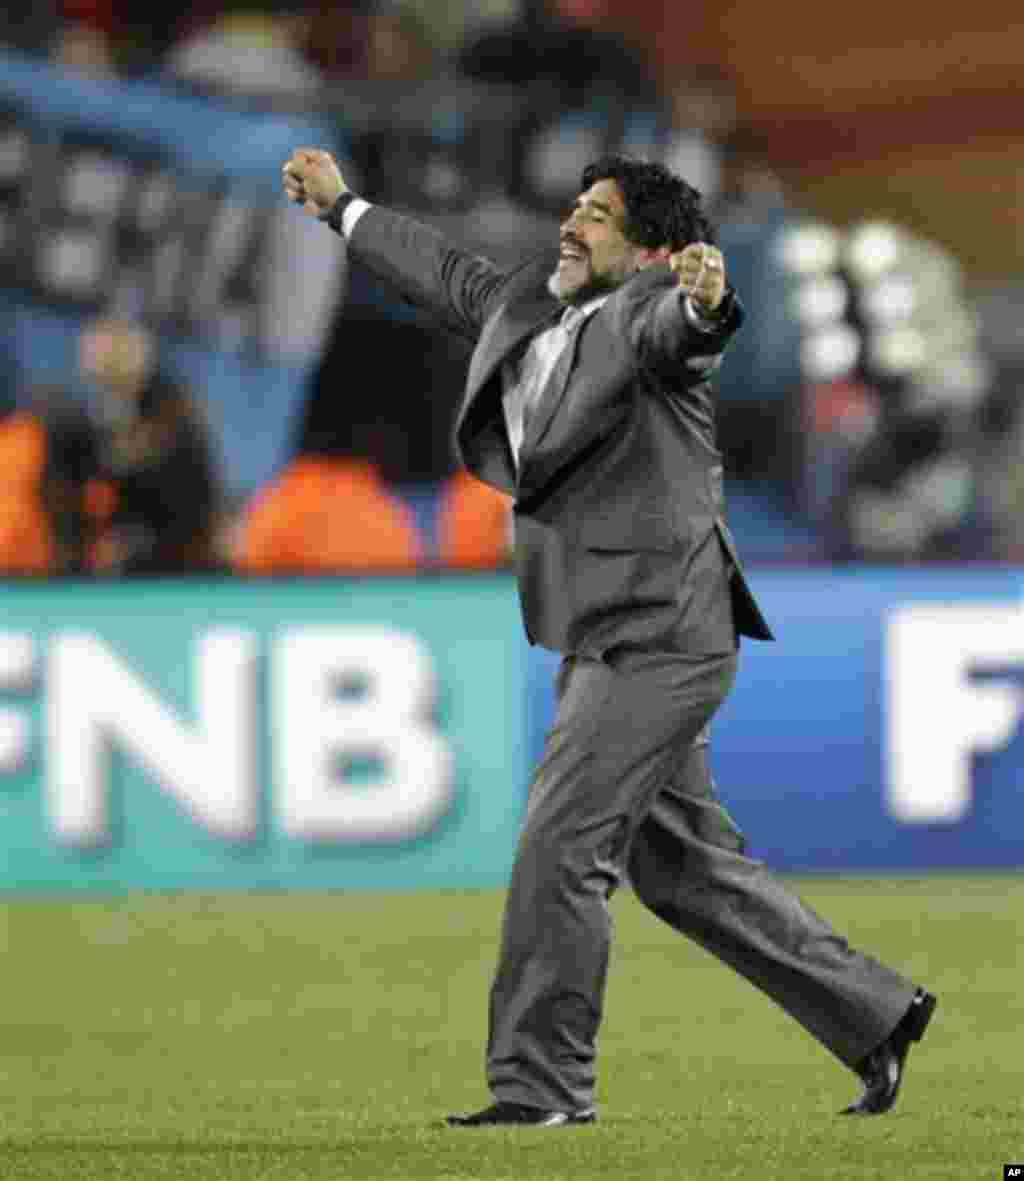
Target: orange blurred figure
324, 515
474, 523
26, 537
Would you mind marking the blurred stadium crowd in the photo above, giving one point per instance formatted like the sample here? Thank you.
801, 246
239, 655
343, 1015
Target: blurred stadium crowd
192, 379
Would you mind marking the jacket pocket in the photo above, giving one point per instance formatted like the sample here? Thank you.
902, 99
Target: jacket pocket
627, 533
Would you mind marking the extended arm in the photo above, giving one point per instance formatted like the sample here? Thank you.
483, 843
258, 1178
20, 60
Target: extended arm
694, 320
420, 262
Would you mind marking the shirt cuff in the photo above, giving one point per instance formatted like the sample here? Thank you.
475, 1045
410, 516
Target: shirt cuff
706, 322
354, 212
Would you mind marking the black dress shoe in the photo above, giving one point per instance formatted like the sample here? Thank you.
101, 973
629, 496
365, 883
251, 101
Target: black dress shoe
882, 1070
518, 1113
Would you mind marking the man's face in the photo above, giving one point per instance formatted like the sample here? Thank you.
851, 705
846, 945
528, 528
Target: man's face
118, 357
594, 255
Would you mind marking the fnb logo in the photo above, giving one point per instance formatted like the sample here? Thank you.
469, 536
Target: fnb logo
337, 696
949, 698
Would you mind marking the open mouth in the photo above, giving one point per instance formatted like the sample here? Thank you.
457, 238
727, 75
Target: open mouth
569, 253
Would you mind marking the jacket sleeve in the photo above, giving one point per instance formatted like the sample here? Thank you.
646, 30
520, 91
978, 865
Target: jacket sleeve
459, 287
665, 336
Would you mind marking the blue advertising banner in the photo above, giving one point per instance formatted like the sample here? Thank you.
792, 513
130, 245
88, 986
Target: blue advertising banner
243, 735
379, 733
882, 731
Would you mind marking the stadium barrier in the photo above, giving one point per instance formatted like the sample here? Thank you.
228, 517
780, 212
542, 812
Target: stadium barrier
379, 733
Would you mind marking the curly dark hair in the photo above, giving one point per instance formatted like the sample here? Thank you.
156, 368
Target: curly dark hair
661, 208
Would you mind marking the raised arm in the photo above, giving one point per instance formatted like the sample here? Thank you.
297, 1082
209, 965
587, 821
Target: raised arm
420, 262
693, 320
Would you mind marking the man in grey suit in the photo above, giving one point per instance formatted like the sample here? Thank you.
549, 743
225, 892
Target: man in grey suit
589, 401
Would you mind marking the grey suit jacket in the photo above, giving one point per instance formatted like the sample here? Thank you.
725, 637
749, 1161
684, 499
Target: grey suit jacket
620, 531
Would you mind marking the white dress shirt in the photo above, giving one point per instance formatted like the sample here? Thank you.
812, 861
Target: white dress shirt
523, 379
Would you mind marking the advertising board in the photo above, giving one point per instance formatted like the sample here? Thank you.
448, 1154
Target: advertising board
882, 730
228, 734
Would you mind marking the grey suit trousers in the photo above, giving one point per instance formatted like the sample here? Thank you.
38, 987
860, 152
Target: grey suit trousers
623, 791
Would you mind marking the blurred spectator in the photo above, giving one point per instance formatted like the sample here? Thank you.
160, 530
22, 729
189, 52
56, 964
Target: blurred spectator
558, 90
84, 49
47, 456
154, 456
96, 14
896, 389
26, 539
398, 45
474, 523
335, 37
449, 23
253, 52
1000, 311
1001, 485
326, 513
562, 44
77, 500
749, 191
702, 118
53, 502
109, 38
283, 54
908, 493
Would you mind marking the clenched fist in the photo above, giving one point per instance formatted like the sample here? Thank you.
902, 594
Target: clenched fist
701, 272
312, 179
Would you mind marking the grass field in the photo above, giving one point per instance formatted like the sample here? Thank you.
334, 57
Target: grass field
293, 1037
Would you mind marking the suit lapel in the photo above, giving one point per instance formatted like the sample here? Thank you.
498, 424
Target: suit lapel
501, 337
480, 425
599, 321
551, 396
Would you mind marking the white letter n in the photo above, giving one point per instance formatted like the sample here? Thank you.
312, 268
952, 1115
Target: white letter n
94, 698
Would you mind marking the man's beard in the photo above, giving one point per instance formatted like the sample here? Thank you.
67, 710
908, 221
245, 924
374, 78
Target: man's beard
589, 288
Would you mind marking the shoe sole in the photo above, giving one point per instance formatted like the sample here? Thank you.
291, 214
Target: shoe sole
557, 1119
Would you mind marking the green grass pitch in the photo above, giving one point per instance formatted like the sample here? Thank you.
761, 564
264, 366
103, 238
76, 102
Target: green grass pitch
287, 1037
